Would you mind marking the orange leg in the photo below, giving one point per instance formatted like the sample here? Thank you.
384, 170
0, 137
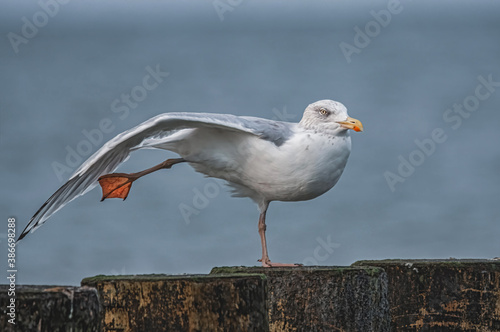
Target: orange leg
266, 262
117, 185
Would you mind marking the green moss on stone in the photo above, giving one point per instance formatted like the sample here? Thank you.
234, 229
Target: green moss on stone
434, 262
90, 281
333, 270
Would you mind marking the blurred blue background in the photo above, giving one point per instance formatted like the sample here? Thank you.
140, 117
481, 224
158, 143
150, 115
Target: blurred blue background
260, 58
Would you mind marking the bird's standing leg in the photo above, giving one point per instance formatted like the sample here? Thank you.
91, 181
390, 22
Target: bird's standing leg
266, 262
117, 185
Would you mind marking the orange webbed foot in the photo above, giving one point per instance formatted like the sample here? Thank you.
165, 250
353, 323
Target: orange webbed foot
116, 185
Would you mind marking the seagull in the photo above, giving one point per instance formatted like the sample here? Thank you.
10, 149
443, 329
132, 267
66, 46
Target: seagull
262, 159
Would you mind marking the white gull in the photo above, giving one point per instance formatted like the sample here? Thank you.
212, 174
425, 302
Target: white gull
262, 159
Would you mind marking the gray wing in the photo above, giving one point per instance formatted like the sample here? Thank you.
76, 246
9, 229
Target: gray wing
117, 150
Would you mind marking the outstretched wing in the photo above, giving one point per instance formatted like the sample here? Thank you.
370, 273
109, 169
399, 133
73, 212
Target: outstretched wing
117, 150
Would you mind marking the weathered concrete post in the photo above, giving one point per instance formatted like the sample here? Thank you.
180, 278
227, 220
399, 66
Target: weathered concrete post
396, 295
442, 295
51, 309
182, 303
324, 298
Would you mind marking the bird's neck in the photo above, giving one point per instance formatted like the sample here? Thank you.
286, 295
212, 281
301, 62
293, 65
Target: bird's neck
325, 128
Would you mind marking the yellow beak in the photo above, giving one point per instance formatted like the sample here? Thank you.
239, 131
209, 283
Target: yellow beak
351, 123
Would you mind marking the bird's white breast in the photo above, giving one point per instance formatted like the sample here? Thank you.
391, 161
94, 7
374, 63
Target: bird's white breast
304, 167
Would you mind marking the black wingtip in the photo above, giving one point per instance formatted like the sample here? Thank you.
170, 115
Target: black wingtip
21, 237
25, 231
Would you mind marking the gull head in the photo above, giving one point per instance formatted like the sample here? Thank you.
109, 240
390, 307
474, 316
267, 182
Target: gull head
329, 114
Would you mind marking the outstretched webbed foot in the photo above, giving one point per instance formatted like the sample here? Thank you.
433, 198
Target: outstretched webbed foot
116, 185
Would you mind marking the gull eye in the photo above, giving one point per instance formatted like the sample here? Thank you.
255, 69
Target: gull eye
322, 111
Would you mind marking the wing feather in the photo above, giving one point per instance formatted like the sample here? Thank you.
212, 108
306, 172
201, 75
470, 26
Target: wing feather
117, 150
